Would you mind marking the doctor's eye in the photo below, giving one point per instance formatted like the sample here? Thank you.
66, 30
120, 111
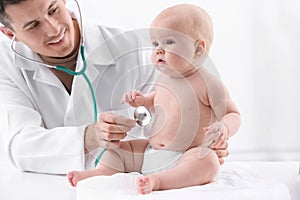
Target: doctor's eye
52, 11
170, 41
33, 25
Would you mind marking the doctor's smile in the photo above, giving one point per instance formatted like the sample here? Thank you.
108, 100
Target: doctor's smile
59, 40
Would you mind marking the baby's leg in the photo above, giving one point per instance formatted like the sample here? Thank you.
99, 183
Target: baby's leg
197, 166
127, 158
75, 176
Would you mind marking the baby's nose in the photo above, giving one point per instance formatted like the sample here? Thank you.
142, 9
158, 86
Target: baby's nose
160, 51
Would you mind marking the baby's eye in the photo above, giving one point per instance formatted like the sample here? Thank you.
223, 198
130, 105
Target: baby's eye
170, 41
154, 44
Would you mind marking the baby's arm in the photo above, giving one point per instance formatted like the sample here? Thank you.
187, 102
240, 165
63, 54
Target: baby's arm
135, 98
228, 119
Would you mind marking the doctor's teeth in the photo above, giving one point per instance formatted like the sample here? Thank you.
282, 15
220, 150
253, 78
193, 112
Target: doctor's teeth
58, 40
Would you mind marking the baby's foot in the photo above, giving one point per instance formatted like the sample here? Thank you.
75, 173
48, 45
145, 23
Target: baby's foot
74, 177
146, 184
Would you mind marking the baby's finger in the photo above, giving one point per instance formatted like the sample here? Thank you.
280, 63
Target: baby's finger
126, 97
135, 94
129, 95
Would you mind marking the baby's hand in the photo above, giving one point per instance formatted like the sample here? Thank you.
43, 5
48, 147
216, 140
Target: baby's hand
134, 98
216, 134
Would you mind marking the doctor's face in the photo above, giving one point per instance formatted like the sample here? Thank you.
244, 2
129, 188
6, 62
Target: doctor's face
45, 26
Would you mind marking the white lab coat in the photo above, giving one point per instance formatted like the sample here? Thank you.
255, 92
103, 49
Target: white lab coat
41, 124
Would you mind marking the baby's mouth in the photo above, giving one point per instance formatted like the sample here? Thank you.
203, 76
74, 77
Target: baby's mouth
161, 61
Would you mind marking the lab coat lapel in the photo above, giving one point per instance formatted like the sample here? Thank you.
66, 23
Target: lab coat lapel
98, 58
31, 63
97, 53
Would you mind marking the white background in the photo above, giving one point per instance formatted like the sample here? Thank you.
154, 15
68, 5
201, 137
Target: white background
256, 50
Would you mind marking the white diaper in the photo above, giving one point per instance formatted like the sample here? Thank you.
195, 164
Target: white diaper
159, 160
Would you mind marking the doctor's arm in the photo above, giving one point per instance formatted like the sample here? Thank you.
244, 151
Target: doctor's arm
28, 144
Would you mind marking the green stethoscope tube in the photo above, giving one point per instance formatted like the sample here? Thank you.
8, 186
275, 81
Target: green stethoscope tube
82, 72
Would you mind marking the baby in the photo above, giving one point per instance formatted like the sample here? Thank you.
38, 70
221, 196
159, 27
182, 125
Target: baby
192, 108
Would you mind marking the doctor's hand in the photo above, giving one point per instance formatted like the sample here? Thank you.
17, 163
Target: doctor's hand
107, 132
221, 151
216, 139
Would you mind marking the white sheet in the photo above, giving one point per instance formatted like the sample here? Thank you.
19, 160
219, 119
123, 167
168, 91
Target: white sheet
294, 189
259, 181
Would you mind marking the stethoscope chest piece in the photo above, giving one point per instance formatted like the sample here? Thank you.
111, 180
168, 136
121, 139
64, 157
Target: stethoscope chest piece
142, 116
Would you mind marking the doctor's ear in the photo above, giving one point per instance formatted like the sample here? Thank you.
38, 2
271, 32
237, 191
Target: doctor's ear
199, 48
8, 32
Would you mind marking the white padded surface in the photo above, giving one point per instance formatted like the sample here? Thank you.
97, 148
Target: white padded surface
246, 180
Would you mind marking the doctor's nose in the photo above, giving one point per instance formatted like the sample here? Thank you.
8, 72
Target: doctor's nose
160, 51
52, 27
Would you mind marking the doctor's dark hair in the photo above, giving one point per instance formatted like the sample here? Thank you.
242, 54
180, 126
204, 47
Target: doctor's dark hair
4, 18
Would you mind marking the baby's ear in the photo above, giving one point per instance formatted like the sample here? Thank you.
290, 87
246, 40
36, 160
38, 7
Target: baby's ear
199, 48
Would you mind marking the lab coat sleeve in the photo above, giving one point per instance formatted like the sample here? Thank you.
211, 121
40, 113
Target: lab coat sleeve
29, 145
33, 148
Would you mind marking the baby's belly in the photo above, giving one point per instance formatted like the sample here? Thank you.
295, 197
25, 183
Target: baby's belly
175, 128
179, 116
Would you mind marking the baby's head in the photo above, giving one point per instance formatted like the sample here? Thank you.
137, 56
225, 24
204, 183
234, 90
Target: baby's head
185, 31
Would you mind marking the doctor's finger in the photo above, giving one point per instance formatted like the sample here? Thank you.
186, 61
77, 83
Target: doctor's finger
111, 118
114, 128
222, 153
112, 136
219, 140
222, 146
211, 138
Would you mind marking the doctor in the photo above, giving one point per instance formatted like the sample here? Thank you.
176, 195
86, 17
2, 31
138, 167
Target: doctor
46, 115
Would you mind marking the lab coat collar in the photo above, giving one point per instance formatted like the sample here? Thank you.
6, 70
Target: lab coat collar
33, 62
96, 52
25, 58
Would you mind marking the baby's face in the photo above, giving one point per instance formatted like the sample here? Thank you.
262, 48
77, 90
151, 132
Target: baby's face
173, 52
